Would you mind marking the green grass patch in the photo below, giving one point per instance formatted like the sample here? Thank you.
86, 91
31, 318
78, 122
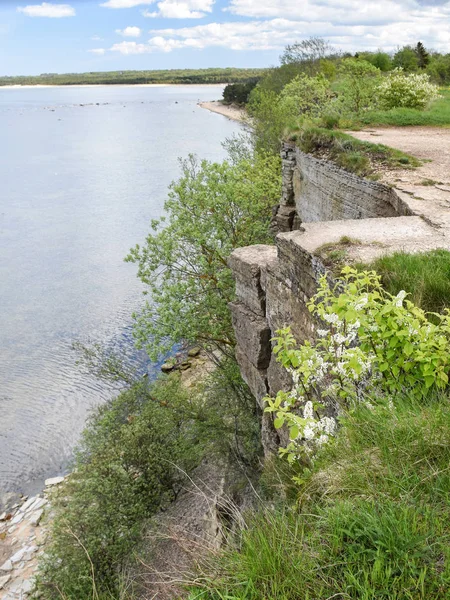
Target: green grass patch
425, 276
437, 114
334, 255
356, 156
372, 521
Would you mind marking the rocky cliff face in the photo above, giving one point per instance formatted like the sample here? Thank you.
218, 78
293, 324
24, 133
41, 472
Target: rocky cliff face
273, 284
318, 190
320, 203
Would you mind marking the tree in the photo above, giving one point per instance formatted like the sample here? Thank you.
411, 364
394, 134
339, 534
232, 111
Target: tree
439, 69
212, 209
269, 120
406, 59
305, 96
307, 53
359, 80
239, 93
423, 57
378, 59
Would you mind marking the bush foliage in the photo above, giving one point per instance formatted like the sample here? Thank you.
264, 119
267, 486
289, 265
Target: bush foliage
211, 210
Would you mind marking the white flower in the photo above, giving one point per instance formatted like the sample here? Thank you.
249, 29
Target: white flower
308, 411
328, 425
323, 439
339, 338
322, 332
333, 318
309, 432
399, 299
361, 303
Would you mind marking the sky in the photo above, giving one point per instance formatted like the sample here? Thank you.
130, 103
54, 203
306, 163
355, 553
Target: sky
105, 35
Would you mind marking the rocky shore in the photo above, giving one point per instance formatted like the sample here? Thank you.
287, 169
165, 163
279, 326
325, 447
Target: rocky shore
23, 533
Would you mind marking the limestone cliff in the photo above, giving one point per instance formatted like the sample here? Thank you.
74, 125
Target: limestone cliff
320, 204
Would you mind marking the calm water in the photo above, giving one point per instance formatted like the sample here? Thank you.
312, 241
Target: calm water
80, 182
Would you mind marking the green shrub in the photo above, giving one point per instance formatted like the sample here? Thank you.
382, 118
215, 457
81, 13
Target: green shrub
330, 121
211, 210
124, 471
130, 464
370, 345
359, 79
305, 96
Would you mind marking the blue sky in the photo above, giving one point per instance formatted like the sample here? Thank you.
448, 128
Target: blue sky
87, 35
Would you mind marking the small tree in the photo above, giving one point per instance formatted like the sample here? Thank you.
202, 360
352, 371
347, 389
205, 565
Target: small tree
370, 347
307, 53
305, 95
406, 59
212, 209
359, 79
423, 57
412, 90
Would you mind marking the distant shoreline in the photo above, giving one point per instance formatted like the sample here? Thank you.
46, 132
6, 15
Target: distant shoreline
231, 112
89, 85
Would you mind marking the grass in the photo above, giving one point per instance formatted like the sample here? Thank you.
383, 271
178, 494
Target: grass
356, 156
372, 521
437, 114
334, 255
425, 276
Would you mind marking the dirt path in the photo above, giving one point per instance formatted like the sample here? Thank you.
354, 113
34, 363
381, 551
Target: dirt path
427, 188
430, 144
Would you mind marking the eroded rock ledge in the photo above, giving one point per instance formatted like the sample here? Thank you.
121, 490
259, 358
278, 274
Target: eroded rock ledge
321, 203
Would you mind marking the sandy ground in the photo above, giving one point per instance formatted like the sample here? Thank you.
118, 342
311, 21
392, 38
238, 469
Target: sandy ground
430, 144
231, 112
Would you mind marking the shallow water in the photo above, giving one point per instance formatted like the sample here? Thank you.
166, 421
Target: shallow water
82, 172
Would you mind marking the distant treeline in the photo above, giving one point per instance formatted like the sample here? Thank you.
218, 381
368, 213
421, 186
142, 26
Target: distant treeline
180, 76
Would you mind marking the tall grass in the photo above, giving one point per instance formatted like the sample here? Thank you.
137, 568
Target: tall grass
356, 156
425, 276
372, 521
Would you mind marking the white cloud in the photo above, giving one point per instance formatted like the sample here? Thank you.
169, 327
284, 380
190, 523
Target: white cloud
96, 38
349, 25
187, 9
130, 32
99, 51
130, 48
125, 3
55, 11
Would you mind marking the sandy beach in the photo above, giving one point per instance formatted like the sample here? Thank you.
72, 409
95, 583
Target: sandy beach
231, 112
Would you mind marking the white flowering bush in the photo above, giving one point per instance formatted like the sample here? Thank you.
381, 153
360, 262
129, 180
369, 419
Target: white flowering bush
412, 90
370, 346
